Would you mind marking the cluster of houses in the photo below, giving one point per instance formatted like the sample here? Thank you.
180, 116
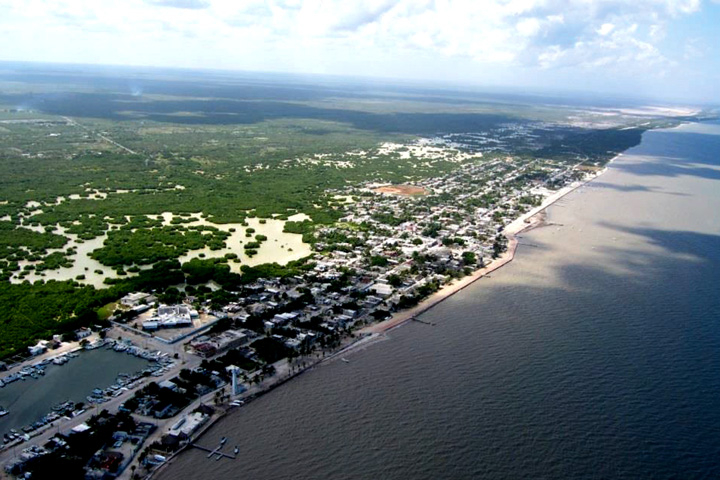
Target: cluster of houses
386, 251
366, 265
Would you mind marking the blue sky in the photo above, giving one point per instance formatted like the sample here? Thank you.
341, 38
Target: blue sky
666, 49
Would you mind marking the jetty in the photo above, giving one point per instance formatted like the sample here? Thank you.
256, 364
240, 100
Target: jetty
215, 452
416, 319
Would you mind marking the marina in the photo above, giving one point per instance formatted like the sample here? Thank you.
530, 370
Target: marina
68, 383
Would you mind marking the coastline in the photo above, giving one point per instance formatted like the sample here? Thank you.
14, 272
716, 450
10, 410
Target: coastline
537, 221
376, 332
532, 219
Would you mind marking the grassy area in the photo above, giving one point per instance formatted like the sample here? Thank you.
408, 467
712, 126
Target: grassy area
106, 311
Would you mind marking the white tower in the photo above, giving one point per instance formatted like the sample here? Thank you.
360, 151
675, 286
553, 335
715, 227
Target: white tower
234, 371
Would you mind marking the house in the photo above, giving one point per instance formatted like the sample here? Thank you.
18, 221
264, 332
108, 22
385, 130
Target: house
38, 349
207, 346
188, 425
134, 299
82, 333
382, 289
169, 385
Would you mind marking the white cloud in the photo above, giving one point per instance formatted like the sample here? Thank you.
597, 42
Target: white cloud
328, 36
605, 28
528, 27
189, 4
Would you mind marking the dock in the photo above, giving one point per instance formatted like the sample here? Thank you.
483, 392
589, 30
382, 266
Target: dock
415, 319
213, 452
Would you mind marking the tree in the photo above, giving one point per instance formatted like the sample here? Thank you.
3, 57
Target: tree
378, 261
469, 258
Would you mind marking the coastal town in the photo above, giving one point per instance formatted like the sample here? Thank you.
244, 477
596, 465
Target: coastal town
213, 350
383, 240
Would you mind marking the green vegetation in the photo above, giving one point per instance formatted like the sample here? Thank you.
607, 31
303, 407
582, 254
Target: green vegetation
378, 261
269, 350
40, 310
245, 150
18, 243
143, 246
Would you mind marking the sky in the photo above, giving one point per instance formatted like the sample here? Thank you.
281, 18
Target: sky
665, 49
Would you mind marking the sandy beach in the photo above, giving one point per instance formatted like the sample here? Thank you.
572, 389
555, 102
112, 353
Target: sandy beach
527, 221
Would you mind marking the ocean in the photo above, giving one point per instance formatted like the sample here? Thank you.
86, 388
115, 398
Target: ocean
595, 354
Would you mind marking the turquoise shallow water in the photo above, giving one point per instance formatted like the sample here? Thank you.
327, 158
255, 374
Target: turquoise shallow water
596, 354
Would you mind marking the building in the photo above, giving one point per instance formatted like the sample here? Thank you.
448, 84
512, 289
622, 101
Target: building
82, 333
188, 425
134, 299
208, 346
382, 289
171, 316
38, 349
169, 385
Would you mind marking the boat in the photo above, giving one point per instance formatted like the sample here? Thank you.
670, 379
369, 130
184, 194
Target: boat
345, 360
237, 450
223, 440
3, 412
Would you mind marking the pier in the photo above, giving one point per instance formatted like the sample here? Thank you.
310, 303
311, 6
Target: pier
415, 319
217, 451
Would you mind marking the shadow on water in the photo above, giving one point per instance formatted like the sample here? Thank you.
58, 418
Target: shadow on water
636, 188
596, 374
670, 167
699, 245
672, 153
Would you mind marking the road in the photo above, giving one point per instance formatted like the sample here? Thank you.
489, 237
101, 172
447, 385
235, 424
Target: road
72, 122
61, 425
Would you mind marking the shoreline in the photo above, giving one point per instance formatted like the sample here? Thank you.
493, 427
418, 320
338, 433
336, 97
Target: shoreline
526, 222
370, 334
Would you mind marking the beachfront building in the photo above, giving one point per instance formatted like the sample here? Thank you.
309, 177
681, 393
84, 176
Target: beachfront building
188, 425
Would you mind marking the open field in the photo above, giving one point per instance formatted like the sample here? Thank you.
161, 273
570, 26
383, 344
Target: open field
402, 190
